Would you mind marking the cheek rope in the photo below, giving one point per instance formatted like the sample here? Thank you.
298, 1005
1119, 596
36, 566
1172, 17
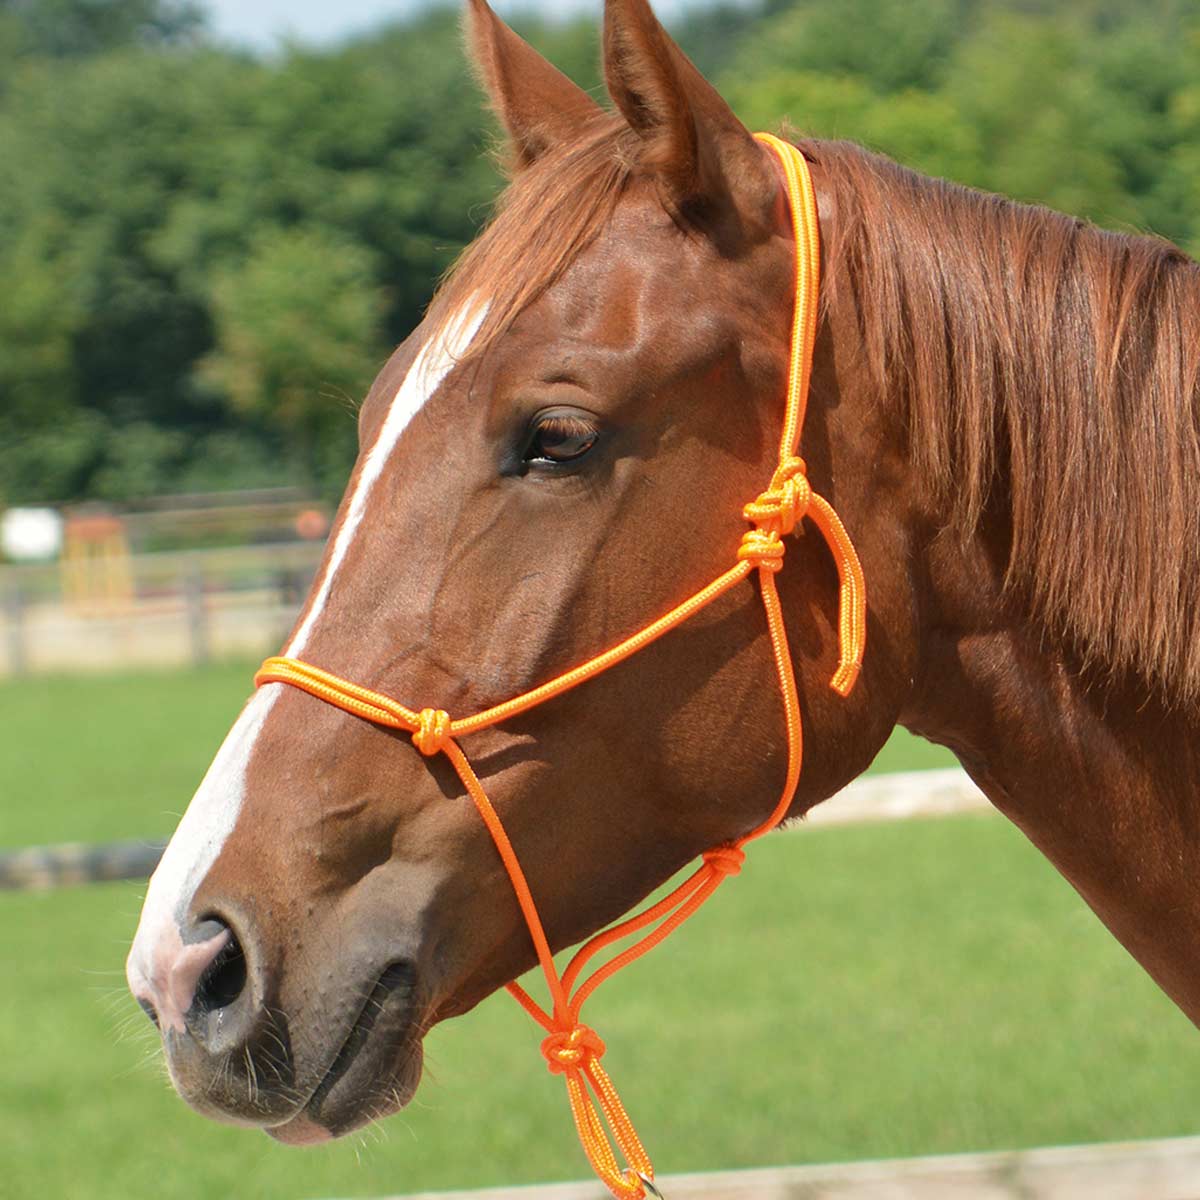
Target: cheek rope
571, 1048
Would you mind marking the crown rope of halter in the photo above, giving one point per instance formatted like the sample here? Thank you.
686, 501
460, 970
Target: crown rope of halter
571, 1048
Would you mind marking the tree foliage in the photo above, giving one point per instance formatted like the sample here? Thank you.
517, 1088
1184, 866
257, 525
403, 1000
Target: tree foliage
208, 254
76, 28
302, 305
1077, 104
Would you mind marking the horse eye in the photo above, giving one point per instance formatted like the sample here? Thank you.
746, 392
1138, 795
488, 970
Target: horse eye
559, 438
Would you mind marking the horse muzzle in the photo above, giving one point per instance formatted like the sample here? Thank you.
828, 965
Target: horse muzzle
343, 1048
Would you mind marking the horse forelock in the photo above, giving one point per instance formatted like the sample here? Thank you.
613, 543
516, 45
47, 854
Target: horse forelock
548, 215
1049, 366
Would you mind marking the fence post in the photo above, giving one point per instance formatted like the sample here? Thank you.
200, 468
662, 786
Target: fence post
14, 613
197, 615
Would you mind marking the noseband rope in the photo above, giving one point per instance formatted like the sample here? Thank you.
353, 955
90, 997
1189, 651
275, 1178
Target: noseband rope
571, 1048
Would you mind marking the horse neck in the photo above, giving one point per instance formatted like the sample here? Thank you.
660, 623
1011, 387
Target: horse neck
1096, 765
1099, 771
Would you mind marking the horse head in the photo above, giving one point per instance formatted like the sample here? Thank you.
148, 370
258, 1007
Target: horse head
559, 453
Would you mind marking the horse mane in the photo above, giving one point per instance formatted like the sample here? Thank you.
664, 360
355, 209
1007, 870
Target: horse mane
1046, 369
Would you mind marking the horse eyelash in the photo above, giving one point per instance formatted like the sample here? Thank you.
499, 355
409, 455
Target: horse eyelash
560, 425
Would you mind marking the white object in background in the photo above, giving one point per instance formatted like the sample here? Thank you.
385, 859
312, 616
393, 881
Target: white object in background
31, 534
937, 793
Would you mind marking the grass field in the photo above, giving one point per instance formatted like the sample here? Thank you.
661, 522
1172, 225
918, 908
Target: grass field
859, 991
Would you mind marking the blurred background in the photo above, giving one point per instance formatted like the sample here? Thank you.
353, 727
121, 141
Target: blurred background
216, 221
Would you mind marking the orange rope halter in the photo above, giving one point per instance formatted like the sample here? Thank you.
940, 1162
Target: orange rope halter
571, 1048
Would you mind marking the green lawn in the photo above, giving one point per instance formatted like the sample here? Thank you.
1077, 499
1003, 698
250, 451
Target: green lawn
101, 757
858, 991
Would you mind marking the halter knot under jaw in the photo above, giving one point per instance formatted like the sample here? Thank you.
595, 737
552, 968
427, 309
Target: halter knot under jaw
725, 860
572, 1049
432, 734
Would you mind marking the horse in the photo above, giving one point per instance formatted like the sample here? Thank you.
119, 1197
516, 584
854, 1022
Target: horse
1004, 408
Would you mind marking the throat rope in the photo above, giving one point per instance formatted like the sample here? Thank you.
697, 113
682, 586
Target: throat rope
571, 1048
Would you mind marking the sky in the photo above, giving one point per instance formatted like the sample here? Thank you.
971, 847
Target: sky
262, 23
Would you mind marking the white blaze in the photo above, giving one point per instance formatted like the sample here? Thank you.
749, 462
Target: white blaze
431, 366
194, 847
214, 809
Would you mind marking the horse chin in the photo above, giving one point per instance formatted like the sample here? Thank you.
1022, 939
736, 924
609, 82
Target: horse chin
301, 1131
345, 1108
372, 1074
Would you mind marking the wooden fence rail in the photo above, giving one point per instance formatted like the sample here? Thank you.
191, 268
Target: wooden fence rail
184, 607
1152, 1170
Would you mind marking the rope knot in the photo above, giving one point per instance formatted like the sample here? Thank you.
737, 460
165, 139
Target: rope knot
726, 859
432, 734
763, 548
571, 1049
794, 497
785, 502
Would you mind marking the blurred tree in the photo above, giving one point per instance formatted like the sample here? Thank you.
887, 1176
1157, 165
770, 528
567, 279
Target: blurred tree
922, 129
208, 254
1178, 190
73, 28
298, 339
1146, 67
572, 45
38, 322
889, 45
711, 34
105, 148
1072, 109
1022, 83
1071, 103
204, 155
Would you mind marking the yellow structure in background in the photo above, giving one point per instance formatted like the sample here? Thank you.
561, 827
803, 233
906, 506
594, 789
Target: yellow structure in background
97, 573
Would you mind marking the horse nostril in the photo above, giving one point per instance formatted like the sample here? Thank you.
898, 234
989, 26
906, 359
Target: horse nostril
223, 979
149, 1010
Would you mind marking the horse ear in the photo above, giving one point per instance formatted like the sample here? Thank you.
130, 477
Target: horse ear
704, 157
537, 104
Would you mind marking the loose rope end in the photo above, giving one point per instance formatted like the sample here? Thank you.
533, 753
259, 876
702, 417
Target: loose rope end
845, 677
575, 1052
852, 600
